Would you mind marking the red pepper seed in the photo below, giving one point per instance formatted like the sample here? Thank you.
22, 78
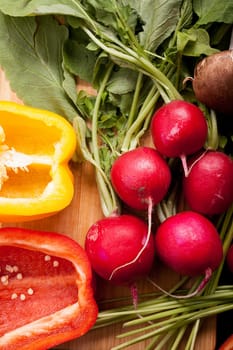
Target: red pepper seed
55, 263
15, 268
14, 296
19, 276
4, 280
22, 296
9, 268
30, 291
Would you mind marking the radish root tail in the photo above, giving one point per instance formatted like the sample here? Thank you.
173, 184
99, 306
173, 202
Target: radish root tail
205, 280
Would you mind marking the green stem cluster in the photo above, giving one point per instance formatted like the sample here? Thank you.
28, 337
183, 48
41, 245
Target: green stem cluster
164, 316
123, 54
107, 195
139, 118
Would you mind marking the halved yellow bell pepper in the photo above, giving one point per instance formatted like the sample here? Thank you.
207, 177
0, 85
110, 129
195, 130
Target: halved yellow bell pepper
35, 148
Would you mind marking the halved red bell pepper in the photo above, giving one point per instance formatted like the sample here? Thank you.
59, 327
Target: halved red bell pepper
45, 290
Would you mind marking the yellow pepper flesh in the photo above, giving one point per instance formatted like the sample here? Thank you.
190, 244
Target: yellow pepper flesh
35, 148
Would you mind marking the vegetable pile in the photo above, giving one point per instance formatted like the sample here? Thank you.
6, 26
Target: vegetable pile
162, 153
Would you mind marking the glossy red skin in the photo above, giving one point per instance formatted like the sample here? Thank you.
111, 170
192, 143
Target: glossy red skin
41, 321
230, 258
178, 128
114, 241
189, 244
208, 189
140, 174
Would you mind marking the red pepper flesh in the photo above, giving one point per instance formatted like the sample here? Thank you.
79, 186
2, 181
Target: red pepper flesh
45, 289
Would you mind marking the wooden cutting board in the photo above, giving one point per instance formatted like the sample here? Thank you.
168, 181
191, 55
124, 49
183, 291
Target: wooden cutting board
74, 221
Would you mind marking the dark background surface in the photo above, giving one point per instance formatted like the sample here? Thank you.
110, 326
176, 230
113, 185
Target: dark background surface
225, 320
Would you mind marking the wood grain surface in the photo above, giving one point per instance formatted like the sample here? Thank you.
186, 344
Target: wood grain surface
74, 221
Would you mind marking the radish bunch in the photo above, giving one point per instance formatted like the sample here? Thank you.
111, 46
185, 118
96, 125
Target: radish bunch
122, 247
179, 129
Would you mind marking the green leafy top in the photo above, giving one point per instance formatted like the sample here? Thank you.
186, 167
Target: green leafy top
214, 11
31, 54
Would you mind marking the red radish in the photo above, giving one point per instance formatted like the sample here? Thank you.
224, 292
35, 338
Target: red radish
120, 249
208, 188
213, 83
178, 129
141, 176
229, 258
189, 244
